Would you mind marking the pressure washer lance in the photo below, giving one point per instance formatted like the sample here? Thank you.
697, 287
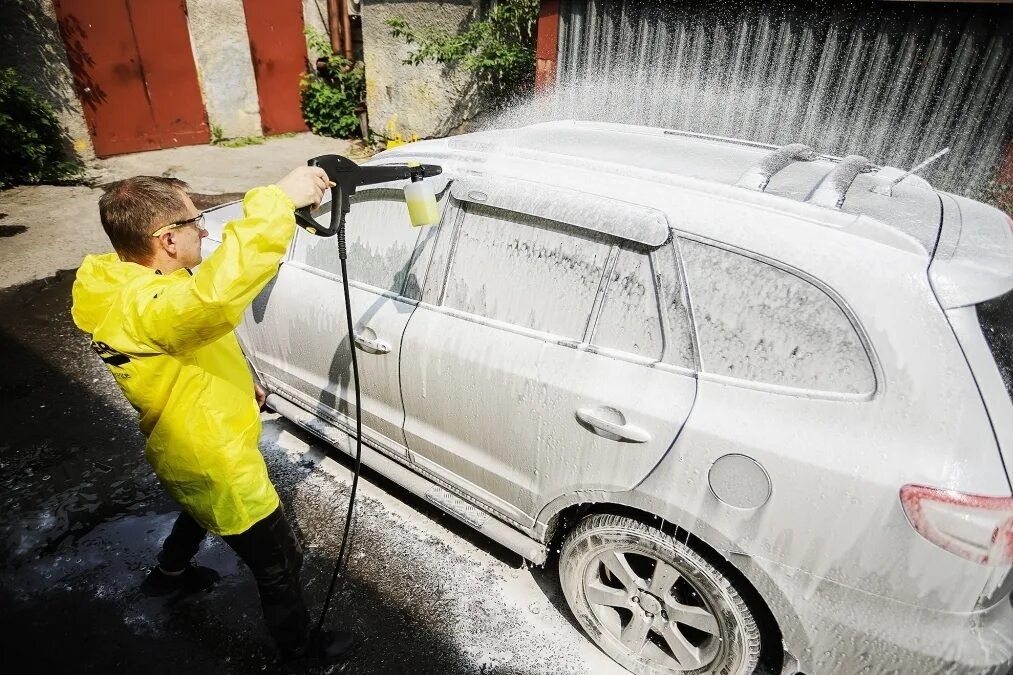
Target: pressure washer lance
346, 176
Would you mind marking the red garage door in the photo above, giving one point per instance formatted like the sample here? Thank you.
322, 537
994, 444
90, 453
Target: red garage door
134, 71
278, 48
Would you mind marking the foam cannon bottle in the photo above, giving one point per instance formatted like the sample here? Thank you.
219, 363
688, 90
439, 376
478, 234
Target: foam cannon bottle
421, 201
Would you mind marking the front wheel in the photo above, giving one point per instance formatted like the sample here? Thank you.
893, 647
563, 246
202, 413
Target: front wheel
654, 604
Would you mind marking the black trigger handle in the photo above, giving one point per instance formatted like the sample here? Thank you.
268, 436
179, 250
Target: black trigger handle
343, 174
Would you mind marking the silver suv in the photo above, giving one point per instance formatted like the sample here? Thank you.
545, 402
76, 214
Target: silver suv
757, 398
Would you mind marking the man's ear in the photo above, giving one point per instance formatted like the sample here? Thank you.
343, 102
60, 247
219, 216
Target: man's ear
167, 243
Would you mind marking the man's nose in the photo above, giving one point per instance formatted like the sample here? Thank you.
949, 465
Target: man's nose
203, 233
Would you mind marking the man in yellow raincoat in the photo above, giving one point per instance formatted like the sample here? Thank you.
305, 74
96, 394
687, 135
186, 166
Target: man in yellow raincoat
166, 334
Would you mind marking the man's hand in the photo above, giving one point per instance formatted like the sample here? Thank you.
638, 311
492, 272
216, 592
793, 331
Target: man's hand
305, 186
260, 394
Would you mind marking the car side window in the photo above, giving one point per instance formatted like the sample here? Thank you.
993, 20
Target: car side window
630, 319
758, 322
524, 270
380, 241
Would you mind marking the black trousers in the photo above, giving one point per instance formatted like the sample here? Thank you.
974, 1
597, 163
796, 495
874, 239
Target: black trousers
273, 553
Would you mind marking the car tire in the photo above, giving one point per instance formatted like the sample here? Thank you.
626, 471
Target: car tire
629, 584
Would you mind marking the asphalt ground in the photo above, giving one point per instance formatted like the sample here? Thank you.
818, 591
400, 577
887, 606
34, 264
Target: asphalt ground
82, 516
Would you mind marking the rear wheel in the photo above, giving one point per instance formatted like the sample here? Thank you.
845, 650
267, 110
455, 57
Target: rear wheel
653, 603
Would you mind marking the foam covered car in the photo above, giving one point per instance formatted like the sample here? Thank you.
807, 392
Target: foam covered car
758, 398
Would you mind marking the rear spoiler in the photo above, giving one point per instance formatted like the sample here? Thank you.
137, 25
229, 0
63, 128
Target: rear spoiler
973, 260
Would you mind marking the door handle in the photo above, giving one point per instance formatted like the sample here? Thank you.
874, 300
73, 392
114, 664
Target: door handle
375, 345
594, 417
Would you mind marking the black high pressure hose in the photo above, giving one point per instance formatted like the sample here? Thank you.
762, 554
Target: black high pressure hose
345, 176
344, 551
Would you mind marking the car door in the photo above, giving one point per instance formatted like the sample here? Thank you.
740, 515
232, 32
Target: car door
296, 332
545, 358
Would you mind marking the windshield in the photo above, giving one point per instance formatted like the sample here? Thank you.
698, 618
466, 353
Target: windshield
996, 318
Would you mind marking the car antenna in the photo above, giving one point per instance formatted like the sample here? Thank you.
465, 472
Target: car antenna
887, 188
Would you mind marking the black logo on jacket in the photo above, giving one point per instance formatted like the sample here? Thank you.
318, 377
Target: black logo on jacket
110, 355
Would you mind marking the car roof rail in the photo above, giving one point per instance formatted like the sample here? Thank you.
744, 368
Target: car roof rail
759, 174
833, 188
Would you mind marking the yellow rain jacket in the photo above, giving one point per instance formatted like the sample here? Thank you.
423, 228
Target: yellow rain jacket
169, 343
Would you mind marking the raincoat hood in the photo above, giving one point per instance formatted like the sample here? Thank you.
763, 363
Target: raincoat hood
100, 280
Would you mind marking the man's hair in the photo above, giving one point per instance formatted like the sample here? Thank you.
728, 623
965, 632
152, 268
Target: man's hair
132, 209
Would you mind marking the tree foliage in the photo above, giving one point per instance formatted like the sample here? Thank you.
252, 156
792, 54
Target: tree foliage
332, 93
31, 140
499, 47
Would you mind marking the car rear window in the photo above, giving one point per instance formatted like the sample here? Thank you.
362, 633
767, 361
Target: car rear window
762, 323
630, 319
996, 319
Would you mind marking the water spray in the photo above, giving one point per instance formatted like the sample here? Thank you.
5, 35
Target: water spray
346, 176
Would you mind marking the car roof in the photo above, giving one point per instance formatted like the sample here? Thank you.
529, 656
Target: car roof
910, 206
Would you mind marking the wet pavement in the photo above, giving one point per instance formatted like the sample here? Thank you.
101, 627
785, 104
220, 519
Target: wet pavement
83, 518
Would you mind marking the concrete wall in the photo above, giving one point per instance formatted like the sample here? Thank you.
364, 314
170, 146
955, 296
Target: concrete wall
30, 42
314, 15
428, 99
224, 65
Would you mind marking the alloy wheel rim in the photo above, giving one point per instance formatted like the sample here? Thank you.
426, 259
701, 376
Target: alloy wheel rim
653, 610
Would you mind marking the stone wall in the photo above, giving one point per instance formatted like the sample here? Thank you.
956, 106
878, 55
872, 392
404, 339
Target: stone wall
429, 99
30, 42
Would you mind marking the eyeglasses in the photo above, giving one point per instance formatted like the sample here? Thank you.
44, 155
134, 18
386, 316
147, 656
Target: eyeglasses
197, 220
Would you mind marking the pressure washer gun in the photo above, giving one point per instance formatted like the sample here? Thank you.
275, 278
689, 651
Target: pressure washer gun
346, 176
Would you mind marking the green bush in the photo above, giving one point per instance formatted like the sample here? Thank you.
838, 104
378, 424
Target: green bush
31, 148
499, 47
332, 95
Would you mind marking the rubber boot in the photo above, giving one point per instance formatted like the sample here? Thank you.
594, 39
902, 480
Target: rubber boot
192, 579
331, 646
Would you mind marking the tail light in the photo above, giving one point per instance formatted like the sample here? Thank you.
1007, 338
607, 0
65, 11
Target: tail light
975, 527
